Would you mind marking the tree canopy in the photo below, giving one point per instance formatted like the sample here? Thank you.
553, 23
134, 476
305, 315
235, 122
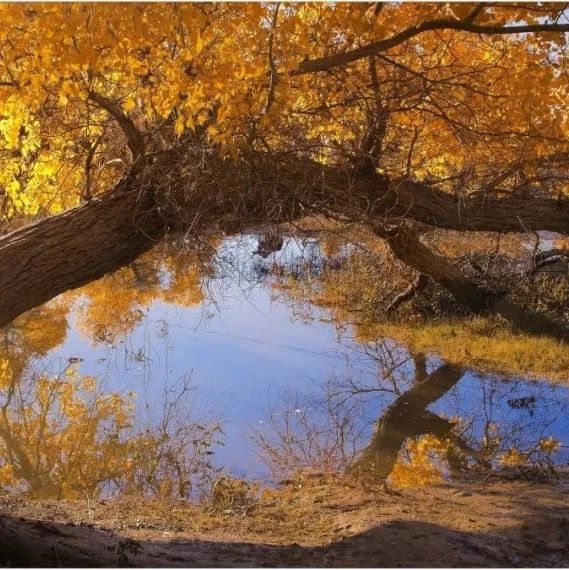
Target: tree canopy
462, 95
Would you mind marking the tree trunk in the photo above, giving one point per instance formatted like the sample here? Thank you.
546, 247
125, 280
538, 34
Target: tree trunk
66, 251
407, 247
63, 252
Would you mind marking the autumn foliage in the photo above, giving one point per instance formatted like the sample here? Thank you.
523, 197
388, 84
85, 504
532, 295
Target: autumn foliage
459, 104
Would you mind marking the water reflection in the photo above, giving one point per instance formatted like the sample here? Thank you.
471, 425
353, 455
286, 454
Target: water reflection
98, 388
62, 436
415, 420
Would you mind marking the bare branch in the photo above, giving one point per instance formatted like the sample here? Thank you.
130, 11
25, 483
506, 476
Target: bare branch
328, 62
417, 285
475, 12
550, 257
134, 137
372, 140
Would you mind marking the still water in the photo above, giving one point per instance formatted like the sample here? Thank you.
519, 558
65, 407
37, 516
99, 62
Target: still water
242, 355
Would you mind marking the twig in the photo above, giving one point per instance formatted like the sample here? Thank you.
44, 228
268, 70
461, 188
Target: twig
417, 285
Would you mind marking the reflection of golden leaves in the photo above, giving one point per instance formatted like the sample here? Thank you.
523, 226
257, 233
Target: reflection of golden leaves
185, 289
60, 439
6, 475
32, 335
6, 374
419, 464
61, 436
116, 304
514, 458
41, 329
549, 444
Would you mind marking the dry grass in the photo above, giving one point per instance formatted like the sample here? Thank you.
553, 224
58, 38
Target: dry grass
311, 521
480, 342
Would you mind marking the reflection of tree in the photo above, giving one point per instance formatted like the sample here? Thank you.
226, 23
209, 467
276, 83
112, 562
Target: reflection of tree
410, 445
115, 304
365, 287
299, 435
31, 336
61, 436
408, 417
36, 332
325, 431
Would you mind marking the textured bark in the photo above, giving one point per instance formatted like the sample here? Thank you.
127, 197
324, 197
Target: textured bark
476, 213
66, 251
375, 198
63, 252
406, 246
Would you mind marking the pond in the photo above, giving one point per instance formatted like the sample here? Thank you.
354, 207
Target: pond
287, 390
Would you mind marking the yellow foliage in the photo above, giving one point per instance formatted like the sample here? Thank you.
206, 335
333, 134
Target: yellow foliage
6, 475
549, 444
60, 440
514, 458
458, 107
482, 343
115, 304
6, 375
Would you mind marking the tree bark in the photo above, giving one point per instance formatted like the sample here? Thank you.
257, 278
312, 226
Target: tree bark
407, 247
69, 250
479, 212
63, 252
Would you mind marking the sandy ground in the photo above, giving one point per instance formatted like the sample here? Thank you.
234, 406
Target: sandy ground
314, 521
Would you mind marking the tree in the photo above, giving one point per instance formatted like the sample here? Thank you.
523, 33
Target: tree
62, 436
125, 123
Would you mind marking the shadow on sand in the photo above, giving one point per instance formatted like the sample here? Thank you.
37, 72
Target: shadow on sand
29, 543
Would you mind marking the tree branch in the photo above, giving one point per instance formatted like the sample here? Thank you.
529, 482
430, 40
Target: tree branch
273, 75
545, 258
475, 12
134, 137
372, 140
328, 62
417, 285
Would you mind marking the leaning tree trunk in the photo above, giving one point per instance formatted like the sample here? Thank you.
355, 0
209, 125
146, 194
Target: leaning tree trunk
407, 247
202, 192
63, 252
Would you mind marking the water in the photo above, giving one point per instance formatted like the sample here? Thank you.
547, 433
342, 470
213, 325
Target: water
258, 368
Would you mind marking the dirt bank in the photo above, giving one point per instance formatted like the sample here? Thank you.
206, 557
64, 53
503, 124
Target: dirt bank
314, 521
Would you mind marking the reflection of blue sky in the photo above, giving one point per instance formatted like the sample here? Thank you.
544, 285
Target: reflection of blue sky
234, 375
484, 399
252, 347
